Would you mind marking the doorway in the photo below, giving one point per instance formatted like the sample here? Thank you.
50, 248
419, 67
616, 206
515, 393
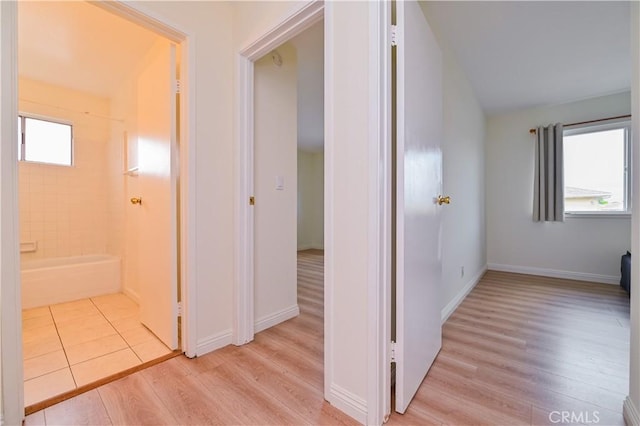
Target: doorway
289, 182
118, 199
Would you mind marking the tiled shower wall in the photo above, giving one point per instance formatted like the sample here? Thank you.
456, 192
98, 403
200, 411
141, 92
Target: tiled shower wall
64, 209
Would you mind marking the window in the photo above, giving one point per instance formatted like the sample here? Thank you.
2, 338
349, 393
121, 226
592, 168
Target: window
44, 141
596, 169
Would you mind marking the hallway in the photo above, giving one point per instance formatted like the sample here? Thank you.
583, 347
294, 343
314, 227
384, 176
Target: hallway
517, 350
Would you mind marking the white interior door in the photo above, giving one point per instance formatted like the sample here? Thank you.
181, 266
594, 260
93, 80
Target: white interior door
157, 256
419, 183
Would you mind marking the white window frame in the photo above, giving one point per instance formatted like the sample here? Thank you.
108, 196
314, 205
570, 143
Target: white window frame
21, 154
619, 123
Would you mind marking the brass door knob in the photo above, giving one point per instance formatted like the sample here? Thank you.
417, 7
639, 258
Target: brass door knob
136, 200
444, 200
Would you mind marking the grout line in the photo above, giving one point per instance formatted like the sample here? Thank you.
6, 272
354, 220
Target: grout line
44, 374
110, 323
64, 350
118, 331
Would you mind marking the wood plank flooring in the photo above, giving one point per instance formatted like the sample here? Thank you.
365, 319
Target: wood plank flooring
524, 350
518, 349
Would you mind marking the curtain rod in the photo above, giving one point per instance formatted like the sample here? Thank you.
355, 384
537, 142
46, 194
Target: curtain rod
533, 131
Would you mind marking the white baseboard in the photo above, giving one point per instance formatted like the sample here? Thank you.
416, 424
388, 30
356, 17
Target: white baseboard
451, 306
310, 247
276, 318
132, 294
555, 273
213, 342
630, 413
349, 403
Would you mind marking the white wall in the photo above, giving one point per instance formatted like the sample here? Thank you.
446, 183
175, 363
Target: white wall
64, 208
581, 248
347, 188
275, 210
463, 152
310, 200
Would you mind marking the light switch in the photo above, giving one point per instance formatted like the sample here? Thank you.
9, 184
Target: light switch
279, 183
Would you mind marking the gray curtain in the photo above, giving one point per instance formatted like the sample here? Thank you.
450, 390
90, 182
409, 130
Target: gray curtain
548, 188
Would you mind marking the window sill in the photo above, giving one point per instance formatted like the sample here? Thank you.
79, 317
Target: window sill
597, 215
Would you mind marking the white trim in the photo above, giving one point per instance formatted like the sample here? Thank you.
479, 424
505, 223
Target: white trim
133, 295
379, 249
329, 148
630, 413
188, 191
310, 247
243, 288
349, 403
276, 318
598, 215
135, 11
453, 305
630, 410
556, 273
212, 343
293, 25
243, 293
10, 302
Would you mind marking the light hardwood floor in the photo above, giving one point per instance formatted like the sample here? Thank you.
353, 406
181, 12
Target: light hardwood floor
518, 349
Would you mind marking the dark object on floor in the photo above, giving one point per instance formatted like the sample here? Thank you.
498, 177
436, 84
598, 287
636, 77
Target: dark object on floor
625, 270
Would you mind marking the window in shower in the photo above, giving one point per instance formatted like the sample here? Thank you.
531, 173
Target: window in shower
45, 141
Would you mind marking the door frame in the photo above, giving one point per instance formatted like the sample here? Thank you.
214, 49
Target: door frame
380, 214
378, 294
12, 404
243, 295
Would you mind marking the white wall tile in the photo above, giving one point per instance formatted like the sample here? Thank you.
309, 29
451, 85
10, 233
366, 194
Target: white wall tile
64, 208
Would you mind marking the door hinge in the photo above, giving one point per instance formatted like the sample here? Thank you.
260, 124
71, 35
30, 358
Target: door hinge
394, 35
393, 352
252, 201
179, 309
177, 86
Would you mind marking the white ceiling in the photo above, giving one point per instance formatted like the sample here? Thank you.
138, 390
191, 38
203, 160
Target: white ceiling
77, 45
310, 51
516, 54
522, 54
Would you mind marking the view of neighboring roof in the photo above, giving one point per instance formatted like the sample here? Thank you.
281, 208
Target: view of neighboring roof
573, 192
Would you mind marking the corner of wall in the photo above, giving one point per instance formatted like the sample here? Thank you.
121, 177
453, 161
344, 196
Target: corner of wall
276, 318
462, 294
215, 341
349, 403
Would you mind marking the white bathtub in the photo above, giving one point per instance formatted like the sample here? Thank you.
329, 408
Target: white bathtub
63, 279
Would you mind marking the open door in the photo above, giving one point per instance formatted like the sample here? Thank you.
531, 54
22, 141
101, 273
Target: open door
418, 188
157, 257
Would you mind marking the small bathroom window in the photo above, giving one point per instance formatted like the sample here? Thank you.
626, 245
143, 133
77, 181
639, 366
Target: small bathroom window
45, 141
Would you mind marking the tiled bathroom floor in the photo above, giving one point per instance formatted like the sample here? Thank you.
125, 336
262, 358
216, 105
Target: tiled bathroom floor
72, 344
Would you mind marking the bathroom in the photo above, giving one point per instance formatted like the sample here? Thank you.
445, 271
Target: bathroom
86, 110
